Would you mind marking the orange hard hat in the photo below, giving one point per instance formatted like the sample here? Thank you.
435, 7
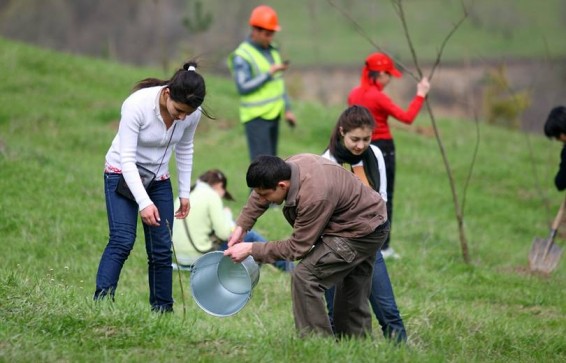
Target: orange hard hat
383, 63
265, 17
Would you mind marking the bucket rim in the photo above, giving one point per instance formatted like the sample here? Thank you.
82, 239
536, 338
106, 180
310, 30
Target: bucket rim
215, 258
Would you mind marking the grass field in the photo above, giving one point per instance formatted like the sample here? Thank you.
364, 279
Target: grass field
58, 115
336, 32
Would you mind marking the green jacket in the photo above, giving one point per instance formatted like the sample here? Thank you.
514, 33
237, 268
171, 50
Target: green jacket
207, 217
268, 101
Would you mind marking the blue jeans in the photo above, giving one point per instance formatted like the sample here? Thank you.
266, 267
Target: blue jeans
262, 136
253, 236
122, 223
382, 301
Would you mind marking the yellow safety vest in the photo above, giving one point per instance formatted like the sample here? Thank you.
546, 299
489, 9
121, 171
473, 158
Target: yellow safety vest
267, 101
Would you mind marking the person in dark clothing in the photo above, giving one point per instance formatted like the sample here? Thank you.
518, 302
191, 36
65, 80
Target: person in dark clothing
555, 127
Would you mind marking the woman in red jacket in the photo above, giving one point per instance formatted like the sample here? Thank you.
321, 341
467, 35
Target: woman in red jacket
376, 75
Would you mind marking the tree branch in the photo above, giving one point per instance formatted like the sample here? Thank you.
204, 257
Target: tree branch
401, 13
397, 4
361, 32
445, 41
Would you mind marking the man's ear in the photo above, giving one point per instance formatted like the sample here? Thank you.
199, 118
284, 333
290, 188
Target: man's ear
284, 184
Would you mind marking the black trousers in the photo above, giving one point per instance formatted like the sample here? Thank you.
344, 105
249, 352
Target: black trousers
262, 136
387, 148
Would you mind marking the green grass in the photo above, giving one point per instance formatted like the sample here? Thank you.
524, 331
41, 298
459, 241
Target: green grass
318, 32
58, 115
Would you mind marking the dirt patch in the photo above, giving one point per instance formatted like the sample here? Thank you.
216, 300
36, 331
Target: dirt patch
426, 131
525, 271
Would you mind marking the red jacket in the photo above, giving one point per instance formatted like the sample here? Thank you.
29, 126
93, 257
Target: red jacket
381, 107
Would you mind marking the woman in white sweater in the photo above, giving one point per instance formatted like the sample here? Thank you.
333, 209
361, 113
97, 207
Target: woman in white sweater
159, 117
350, 147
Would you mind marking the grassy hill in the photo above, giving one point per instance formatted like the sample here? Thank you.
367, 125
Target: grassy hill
58, 115
314, 32
343, 32
336, 31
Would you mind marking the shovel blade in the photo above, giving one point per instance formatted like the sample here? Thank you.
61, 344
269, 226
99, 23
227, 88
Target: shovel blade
544, 255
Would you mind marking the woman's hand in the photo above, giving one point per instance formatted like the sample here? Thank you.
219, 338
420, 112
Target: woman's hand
150, 215
423, 87
184, 208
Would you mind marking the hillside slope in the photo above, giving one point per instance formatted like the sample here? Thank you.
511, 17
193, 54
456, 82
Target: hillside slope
58, 114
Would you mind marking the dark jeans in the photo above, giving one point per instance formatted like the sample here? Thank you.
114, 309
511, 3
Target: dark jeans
387, 148
382, 301
122, 223
262, 136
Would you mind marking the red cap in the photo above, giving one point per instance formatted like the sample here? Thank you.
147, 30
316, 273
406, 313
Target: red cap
382, 63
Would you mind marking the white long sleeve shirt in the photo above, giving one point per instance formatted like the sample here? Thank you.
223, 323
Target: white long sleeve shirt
143, 137
380, 167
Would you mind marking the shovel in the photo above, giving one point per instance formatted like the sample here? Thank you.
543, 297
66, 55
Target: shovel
544, 254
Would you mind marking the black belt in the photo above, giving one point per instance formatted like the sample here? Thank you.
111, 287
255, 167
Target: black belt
382, 226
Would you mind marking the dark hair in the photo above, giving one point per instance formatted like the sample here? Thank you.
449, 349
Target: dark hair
185, 86
214, 176
373, 75
556, 122
353, 117
266, 171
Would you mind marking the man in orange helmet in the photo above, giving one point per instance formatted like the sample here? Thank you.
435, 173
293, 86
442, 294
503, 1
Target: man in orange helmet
257, 68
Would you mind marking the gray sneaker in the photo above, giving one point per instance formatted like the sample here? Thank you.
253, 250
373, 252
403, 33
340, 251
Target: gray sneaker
181, 267
390, 253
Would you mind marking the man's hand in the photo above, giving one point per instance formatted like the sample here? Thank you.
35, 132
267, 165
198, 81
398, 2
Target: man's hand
291, 119
280, 67
239, 252
237, 236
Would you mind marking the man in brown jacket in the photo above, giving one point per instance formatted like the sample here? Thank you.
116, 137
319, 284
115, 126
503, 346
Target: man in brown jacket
338, 226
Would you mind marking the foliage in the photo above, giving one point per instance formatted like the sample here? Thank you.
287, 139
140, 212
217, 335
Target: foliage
503, 105
199, 22
57, 120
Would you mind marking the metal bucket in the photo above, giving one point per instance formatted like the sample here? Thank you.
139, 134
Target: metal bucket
220, 286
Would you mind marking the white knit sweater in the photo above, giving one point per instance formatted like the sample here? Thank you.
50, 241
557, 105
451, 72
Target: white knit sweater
142, 138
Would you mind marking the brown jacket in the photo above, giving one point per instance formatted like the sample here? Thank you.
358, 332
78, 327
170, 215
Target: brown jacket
323, 199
